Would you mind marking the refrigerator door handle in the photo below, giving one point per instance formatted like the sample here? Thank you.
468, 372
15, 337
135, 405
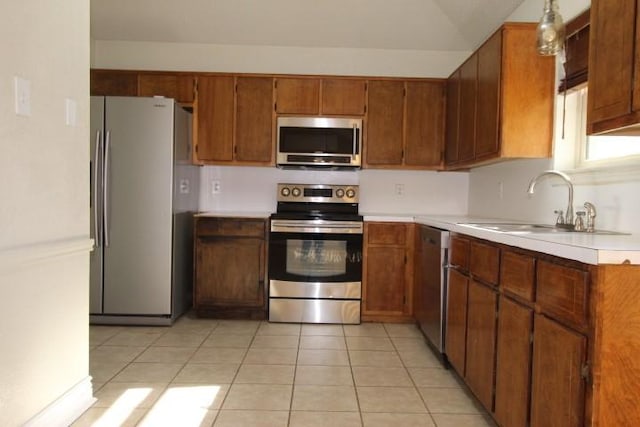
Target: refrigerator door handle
105, 188
96, 196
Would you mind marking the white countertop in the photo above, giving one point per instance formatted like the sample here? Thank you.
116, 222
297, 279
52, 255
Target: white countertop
583, 247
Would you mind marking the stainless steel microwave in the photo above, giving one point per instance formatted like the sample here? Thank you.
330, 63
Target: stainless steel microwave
319, 142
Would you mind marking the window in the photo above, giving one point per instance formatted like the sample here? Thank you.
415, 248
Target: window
574, 149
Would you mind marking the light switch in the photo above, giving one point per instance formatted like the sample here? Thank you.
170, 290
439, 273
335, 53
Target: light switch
70, 108
22, 92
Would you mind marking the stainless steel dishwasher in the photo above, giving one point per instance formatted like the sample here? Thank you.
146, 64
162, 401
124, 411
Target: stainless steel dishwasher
430, 300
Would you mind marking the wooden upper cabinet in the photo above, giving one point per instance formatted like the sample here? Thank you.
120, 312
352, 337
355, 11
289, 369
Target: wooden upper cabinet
214, 116
113, 83
297, 95
557, 389
254, 120
343, 97
467, 115
528, 95
452, 125
384, 133
424, 124
405, 124
177, 86
488, 100
506, 101
316, 96
614, 62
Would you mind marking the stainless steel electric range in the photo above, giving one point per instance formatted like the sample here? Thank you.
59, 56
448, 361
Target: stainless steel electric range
315, 255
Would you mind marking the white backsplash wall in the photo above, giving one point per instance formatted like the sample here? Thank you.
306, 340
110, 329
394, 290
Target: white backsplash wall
422, 192
617, 203
253, 189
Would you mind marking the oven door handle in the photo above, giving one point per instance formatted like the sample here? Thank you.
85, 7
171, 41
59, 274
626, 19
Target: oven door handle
347, 227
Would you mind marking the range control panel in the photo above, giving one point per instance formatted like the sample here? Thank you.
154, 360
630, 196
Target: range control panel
317, 193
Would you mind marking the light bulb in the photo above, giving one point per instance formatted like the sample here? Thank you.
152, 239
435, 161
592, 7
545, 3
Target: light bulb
551, 30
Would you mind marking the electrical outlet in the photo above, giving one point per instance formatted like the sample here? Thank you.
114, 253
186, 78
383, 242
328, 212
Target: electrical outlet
399, 189
216, 188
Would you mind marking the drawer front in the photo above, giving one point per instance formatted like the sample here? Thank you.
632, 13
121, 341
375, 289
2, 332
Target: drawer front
562, 293
230, 227
391, 234
459, 252
517, 275
485, 262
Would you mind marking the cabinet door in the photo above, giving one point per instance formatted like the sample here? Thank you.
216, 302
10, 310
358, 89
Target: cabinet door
513, 364
424, 126
214, 129
343, 97
388, 269
176, 86
557, 393
481, 339
297, 96
611, 59
456, 327
114, 83
453, 118
468, 94
229, 272
489, 70
384, 142
385, 281
254, 120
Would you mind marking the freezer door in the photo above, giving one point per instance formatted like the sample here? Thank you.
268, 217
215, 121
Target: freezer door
96, 141
138, 229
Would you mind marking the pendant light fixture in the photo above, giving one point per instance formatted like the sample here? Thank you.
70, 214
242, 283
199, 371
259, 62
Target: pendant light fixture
550, 30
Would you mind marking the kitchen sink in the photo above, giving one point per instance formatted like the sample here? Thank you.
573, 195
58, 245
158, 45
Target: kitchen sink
519, 228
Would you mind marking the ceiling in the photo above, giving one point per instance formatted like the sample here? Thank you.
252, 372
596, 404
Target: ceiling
440, 25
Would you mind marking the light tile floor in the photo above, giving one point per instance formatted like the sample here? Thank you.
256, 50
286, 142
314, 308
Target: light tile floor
206, 372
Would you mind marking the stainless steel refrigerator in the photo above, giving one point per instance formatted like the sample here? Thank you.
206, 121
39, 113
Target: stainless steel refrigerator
144, 192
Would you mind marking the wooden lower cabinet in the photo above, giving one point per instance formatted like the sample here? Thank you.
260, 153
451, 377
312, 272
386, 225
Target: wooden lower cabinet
387, 271
558, 391
513, 363
230, 268
456, 323
481, 339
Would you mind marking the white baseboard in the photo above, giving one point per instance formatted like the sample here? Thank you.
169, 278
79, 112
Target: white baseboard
67, 408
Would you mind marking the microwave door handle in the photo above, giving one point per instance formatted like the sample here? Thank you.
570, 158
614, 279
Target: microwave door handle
355, 139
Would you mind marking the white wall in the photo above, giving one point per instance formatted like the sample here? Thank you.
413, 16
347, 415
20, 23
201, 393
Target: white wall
44, 244
254, 189
274, 59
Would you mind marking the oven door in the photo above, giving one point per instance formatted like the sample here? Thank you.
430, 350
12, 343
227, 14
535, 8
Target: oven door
315, 259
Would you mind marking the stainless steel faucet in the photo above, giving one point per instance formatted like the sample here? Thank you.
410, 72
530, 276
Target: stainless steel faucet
568, 218
591, 217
